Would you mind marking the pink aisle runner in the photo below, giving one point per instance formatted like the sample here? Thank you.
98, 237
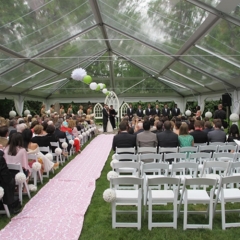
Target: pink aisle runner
57, 211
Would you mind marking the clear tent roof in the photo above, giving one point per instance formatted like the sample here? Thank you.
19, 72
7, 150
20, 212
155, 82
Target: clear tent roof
136, 47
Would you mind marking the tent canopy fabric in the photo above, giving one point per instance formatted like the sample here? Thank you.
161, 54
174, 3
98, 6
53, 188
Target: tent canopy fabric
171, 49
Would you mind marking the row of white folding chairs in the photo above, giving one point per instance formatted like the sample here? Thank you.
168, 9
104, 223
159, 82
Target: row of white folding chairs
162, 196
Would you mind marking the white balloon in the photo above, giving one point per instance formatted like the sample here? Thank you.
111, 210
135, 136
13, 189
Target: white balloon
104, 90
26, 112
12, 114
93, 85
188, 113
101, 85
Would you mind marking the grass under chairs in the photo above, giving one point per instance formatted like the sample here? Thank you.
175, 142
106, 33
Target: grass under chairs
98, 221
4, 220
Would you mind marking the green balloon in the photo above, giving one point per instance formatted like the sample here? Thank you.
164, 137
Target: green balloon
98, 88
87, 79
107, 93
104, 86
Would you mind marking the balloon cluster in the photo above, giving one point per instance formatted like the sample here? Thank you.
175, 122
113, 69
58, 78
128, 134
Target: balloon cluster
80, 74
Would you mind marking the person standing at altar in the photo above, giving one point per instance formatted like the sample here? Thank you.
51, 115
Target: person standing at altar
89, 110
139, 112
166, 111
157, 111
130, 112
175, 111
105, 117
149, 111
112, 114
51, 109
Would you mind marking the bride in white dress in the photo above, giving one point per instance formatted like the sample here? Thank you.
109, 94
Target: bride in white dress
109, 125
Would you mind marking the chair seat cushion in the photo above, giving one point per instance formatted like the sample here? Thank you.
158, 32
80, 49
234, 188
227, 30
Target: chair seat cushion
126, 194
197, 195
162, 194
231, 193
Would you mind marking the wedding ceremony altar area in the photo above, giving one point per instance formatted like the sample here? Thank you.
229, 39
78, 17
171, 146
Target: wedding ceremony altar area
57, 211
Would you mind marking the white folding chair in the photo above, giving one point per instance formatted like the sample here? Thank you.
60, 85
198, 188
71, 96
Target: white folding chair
6, 210
127, 167
208, 148
174, 157
153, 170
144, 150
227, 148
160, 197
231, 143
150, 157
199, 144
197, 196
224, 156
234, 170
225, 195
200, 158
217, 143
188, 150
46, 150
58, 157
35, 174
18, 168
126, 158
126, 150
127, 198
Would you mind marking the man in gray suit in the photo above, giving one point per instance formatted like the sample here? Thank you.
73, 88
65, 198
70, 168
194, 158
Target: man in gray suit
146, 138
217, 135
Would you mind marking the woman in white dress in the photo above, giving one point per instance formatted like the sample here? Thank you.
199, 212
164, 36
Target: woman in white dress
109, 125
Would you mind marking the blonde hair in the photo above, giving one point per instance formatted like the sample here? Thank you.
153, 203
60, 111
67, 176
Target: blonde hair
38, 129
71, 123
183, 130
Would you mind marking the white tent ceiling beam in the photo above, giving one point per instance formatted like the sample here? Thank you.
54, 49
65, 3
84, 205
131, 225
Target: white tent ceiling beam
221, 14
98, 18
169, 55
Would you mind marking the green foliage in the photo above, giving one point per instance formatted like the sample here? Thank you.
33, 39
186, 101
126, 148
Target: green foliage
33, 106
6, 105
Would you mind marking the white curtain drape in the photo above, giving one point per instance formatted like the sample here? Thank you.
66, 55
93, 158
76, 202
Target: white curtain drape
181, 104
235, 102
19, 103
201, 103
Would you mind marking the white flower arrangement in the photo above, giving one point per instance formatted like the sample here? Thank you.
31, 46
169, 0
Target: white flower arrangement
20, 177
87, 133
58, 151
1, 192
49, 156
80, 136
208, 114
36, 166
64, 145
109, 195
111, 175
188, 113
234, 117
78, 74
84, 134
113, 161
114, 156
32, 188
71, 142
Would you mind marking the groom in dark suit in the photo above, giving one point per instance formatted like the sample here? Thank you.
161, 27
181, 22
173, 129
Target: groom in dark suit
105, 118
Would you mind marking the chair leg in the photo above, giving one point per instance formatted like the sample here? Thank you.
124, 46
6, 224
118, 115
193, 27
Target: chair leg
20, 185
40, 177
113, 215
175, 212
149, 214
210, 213
28, 192
139, 217
6, 210
185, 214
223, 214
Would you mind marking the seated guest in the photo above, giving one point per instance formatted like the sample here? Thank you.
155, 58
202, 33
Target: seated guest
184, 138
208, 127
217, 135
233, 133
3, 135
51, 136
167, 138
123, 139
159, 127
146, 138
7, 182
16, 153
191, 124
199, 136
139, 128
21, 127
12, 126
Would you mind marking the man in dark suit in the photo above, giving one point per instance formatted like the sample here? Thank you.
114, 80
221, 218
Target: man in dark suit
217, 135
149, 111
130, 112
157, 111
175, 111
221, 114
166, 111
59, 134
167, 138
105, 118
199, 136
139, 111
112, 114
123, 139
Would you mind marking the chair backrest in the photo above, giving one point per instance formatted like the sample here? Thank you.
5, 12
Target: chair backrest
126, 181
217, 143
125, 150
188, 149
155, 168
201, 182
150, 156
208, 148
44, 149
54, 144
62, 140
229, 179
146, 150
164, 180
32, 156
12, 166
168, 149
126, 157
231, 143
174, 156
234, 168
224, 156
199, 144
127, 166
227, 148
215, 165
182, 167
200, 157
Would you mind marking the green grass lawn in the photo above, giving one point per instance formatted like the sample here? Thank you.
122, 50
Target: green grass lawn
98, 222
